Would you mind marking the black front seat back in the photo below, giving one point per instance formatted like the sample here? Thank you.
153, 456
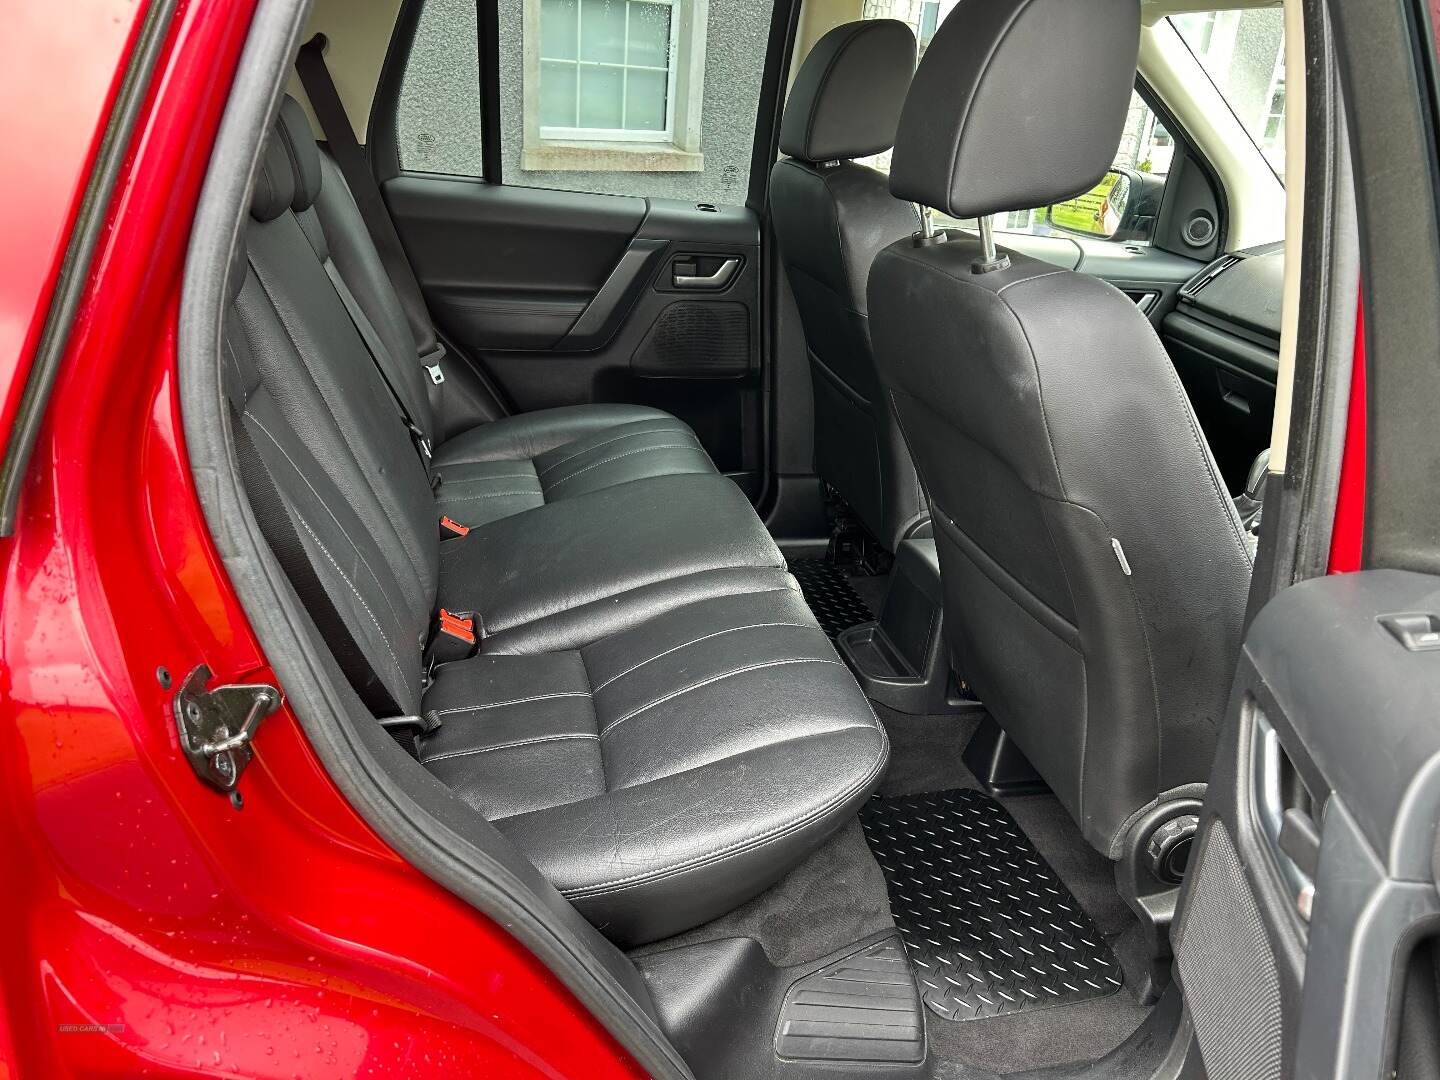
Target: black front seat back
831, 216
1094, 570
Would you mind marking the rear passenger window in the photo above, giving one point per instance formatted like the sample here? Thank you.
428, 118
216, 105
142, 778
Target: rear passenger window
626, 97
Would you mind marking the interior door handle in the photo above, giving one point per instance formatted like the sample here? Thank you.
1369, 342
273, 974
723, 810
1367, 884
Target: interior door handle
1289, 834
686, 278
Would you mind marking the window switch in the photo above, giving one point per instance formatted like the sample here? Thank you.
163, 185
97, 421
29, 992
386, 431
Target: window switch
1418, 633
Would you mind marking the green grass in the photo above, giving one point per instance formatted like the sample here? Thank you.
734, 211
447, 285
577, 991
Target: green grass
1082, 214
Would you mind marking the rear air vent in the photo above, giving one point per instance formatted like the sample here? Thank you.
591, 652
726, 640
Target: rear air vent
1191, 288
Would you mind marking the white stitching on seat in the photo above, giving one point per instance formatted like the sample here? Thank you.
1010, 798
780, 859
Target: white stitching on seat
345, 577
617, 438
749, 843
399, 668
707, 637
437, 713
617, 457
707, 682
486, 479
506, 746
343, 531
447, 499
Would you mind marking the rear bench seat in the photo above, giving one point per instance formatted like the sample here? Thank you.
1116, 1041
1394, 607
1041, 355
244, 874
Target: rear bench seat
500, 468
652, 716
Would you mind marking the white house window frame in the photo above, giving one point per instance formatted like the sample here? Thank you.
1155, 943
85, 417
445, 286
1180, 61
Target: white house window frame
590, 134
550, 149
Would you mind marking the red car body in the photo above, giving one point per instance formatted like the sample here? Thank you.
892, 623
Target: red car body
153, 927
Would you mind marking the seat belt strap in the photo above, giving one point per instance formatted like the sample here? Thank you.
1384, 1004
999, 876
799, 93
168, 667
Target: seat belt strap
379, 356
350, 157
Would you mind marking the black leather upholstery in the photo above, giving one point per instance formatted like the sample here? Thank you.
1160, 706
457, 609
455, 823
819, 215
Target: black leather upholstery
652, 774
1093, 566
831, 216
653, 716
846, 98
506, 466
522, 462
1018, 104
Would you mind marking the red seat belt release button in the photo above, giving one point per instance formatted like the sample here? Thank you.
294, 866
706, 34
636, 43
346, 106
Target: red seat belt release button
458, 626
454, 528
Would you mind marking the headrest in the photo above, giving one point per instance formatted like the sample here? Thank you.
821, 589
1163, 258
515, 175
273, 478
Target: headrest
846, 100
275, 186
304, 154
1017, 104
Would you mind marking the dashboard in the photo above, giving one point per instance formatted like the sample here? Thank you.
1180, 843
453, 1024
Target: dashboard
1223, 336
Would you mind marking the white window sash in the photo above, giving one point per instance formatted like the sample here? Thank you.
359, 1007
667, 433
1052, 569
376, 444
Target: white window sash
590, 134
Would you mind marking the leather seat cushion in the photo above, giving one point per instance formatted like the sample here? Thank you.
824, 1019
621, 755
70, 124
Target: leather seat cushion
568, 572
521, 462
664, 774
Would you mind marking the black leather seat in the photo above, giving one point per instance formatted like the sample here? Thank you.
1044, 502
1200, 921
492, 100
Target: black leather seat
505, 466
652, 714
1094, 571
831, 215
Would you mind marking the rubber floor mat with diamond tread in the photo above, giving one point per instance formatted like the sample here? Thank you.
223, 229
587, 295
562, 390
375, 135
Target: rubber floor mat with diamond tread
988, 925
837, 606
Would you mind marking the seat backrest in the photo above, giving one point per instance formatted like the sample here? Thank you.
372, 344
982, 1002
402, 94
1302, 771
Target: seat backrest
306, 396
831, 216
1094, 571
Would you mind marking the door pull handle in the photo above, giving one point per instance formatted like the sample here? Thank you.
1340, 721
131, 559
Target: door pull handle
686, 277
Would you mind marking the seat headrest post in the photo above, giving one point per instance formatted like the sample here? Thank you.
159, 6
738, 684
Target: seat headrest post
989, 259
928, 236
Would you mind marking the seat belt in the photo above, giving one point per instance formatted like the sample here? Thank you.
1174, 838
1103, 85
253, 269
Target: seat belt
378, 354
279, 532
376, 348
348, 155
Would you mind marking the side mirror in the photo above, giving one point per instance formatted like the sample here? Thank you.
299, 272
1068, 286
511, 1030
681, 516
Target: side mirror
1121, 207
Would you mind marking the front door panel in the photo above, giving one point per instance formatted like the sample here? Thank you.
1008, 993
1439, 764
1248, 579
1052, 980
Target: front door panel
1313, 893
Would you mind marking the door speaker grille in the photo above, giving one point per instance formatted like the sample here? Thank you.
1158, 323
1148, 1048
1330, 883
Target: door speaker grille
697, 339
1228, 969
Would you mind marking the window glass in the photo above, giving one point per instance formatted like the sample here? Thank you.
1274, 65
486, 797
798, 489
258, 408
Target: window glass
632, 97
628, 97
606, 69
437, 122
1243, 53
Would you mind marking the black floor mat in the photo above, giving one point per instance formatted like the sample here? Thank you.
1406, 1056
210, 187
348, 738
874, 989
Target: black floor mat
837, 606
987, 923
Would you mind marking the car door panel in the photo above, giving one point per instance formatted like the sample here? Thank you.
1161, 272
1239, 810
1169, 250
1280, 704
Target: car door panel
1331, 732
566, 298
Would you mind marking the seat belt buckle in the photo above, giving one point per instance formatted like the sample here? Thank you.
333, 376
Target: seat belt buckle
449, 528
458, 624
455, 638
431, 363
